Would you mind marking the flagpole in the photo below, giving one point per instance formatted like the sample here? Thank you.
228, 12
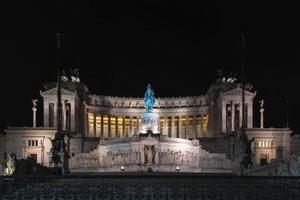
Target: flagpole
59, 106
243, 82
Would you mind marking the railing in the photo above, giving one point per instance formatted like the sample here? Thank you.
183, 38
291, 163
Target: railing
149, 186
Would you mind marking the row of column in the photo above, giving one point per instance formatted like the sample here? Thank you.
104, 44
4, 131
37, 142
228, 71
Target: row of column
109, 127
68, 116
187, 127
229, 110
164, 126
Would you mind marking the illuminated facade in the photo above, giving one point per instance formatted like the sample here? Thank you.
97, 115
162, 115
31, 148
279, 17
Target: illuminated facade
212, 119
96, 116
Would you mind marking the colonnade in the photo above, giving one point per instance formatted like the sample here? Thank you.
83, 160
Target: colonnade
232, 116
50, 117
113, 126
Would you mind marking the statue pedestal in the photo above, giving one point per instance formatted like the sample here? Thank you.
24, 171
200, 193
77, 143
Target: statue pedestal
262, 117
149, 133
64, 165
150, 123
34, 117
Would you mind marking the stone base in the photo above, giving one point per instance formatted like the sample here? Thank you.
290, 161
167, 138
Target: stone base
158, 136
160, 154
150, 122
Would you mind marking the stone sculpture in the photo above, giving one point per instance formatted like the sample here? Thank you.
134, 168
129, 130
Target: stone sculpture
11, 164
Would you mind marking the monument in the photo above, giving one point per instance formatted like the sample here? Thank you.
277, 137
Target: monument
150, 151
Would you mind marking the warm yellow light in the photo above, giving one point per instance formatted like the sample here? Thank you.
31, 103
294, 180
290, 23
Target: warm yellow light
127, 121
120, 120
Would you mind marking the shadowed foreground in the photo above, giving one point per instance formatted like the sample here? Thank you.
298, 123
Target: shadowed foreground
149, 186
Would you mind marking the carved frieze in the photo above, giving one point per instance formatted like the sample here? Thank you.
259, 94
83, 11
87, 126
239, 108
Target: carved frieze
128, 102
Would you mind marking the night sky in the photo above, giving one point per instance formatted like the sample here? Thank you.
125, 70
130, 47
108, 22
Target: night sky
176, 46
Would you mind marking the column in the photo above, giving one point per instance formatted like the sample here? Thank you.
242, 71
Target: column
85, 124
232, 116
95, 124
195, 126
63, 110
224, 117
261, 118
241, 114
109, 127
72, 115
138, 124
55, 115
34, 117
201, 126
102, 126
130, 125
250, 115
166, 126
172, 127
46, 113
187, 127
116, 128
179, 126
123, 127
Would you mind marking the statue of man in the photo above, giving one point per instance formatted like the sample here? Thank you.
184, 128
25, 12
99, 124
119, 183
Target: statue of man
149, 98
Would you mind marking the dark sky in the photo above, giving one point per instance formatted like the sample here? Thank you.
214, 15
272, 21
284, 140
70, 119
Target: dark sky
120, 46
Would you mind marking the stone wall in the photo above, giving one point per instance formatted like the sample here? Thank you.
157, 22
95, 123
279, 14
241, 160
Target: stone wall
161, 155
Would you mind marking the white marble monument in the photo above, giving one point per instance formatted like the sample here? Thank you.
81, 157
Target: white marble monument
147, 151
